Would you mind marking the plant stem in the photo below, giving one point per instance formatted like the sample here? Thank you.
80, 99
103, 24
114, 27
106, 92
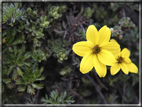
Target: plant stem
97, 88
36, 98
101, 82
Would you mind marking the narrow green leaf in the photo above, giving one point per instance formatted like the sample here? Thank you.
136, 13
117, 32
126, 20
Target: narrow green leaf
18, 55
15, 48
9, 85
19, 81
44, 100
22, 88
15, 74
37, 86
46, 96
23, 48
4, 33
27, 64
5, 18
10, 69
14, 31
7, 62
21, 64
64, 94
27, 55
70, 101
19, 71
34, 56
41, 69
30, 89
18, 41
7, 80
39, 79
54, 95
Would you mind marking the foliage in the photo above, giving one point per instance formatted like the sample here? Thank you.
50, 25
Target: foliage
12, 12
38, 64
31, 75
57, 47
15, 59
57, 98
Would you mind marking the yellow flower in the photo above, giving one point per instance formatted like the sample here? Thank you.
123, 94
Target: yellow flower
123, 62
96, 51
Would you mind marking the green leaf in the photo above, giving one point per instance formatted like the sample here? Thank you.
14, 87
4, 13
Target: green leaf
4, 70
21, 64
70, 101
46, 96
5, 18
27, 64
10, 49
19, 71
46, 100
54, 95
30, 89
12, 12
34, 56
22, 88
23, 48
15, 74
41, 55
14, 30
64, 94
4, 33
19, 81
10, 69
18, 41
10, 36
41, 69
27, 55
18, 55
39, 79
9, 85
63, 72
6, 81
37, 86
26, 27
15, 48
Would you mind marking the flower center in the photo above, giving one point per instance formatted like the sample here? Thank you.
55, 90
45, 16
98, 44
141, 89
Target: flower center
96, 49
120, 59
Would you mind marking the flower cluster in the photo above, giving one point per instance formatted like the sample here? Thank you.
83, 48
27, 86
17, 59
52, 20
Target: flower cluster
99, 51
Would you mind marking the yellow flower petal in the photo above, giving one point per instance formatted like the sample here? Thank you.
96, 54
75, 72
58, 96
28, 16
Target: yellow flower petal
115, 53
104, 34
125, 52
92, 35
127, 60
114, 69
81, 48
99, 67
132, 68
86, 63
113, 40
106, 57
124, 68
114, 48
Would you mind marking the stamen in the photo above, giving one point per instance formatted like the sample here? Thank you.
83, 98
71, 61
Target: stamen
120, 59
96, 49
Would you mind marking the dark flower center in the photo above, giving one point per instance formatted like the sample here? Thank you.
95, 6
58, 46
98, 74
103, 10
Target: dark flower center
120, 59
96, 49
